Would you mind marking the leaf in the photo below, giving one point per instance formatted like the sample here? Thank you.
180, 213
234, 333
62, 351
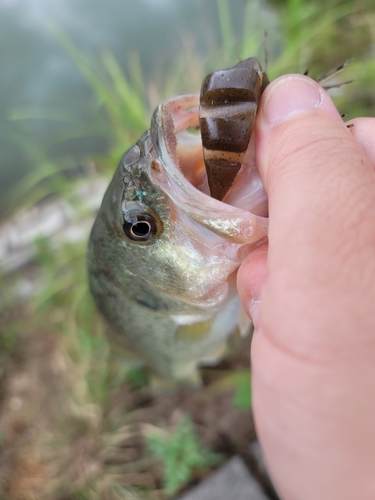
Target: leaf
181, 452
242, 396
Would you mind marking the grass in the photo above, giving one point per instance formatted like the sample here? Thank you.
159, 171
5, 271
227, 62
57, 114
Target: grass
88, 444
180, 451
299, 34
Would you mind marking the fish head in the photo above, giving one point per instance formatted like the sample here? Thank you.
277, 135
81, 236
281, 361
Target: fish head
159, 237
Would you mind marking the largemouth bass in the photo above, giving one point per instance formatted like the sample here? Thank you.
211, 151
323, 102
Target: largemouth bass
163, 254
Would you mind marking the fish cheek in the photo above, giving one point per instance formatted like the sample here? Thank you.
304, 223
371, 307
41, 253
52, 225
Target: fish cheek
141, 270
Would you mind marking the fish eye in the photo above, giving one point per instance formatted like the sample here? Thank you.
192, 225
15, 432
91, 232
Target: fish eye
141, 227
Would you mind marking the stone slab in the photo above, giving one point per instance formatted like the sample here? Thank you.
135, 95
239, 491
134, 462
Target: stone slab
232, 481
260, 467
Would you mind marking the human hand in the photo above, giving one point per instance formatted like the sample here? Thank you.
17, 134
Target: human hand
311, 293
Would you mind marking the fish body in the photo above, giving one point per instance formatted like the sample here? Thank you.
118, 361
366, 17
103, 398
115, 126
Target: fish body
163, 254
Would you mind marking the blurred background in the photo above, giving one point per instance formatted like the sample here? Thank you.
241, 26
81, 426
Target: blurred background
79, 81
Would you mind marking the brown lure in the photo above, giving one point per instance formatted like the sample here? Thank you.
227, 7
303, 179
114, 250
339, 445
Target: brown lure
228, 105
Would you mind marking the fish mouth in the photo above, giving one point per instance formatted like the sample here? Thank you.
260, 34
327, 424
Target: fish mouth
179, 171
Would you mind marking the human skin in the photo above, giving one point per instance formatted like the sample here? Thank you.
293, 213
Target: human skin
311, 294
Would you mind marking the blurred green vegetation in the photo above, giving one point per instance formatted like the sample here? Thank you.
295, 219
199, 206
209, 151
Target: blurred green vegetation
242, 395
180, 452
316, 35
300, 35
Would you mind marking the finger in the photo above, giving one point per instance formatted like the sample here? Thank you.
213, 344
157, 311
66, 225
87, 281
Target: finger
313, 354
363, 130
321, 189
250, 280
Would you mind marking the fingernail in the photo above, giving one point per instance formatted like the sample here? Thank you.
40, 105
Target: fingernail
289, 96
255, 312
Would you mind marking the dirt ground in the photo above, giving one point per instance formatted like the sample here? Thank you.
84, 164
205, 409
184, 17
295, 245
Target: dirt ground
42, 456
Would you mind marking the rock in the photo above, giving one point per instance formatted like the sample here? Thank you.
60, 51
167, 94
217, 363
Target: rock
232, 481
56, 219
259, 467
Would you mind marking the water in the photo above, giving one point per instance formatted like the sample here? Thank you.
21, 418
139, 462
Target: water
37, 73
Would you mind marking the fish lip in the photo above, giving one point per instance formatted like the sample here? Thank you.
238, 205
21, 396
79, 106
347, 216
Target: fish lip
233, 223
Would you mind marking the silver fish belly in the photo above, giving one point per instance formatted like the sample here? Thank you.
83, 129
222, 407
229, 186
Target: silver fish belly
163, 254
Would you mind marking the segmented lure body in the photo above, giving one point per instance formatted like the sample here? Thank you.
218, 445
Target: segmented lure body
228, 105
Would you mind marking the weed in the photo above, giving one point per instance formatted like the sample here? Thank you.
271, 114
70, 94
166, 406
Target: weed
242, 396
137, 377
181, 452
8, 341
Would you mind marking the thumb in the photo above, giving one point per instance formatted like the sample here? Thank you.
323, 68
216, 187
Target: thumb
321, 190
313, 352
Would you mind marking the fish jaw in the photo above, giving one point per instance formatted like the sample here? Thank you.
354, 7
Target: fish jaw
232, 218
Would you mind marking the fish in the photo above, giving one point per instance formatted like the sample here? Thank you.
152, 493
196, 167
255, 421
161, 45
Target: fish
163, 253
